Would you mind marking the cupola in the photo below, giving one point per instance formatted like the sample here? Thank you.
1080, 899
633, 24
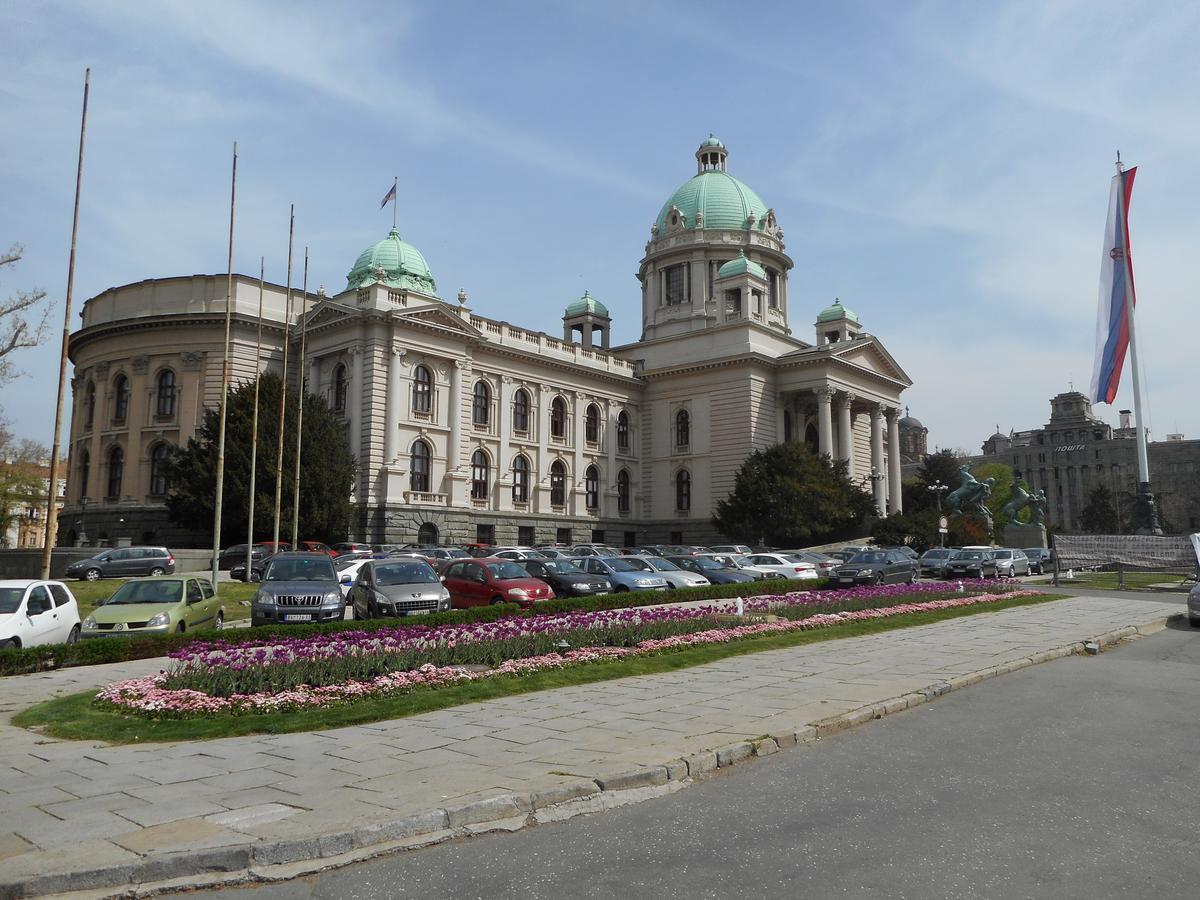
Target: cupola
590, 318
837, 323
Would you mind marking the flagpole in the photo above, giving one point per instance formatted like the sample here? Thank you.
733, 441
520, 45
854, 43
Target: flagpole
300, 406
1142, 454
395, 199
262, 268
283, 383
225, 372
52, 493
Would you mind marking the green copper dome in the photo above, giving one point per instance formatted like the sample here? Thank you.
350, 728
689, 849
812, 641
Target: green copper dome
740, 266
394, 263
712, 141
837, 311
587, 304
725, 202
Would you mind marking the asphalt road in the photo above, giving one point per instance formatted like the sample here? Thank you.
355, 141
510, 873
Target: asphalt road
1076, 778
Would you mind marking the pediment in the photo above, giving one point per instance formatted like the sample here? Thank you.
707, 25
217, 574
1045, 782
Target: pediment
328, 313
437, 317
870, 355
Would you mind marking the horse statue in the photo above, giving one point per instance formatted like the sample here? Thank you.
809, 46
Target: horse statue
1020, 500
971, 496
1037, 508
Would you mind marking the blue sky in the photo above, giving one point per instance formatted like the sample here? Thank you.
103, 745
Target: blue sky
942, 168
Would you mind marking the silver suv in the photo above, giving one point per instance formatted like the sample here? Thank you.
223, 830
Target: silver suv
298, 587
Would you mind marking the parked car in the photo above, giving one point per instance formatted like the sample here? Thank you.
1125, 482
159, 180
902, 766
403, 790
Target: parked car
554, 553
519, 553
566, 578
351, 547
712, 570
877, 567
348, 570
1193, 606
397, 587
298, 587
906, 550
735, 563
626, 573
231, 556
642, 551
677, 576
123, 562
316, 547
932, 563
738, 549
158, 605
594, 550
238, 572
438, 555
478, 582
784, 565
1040, 559
33, 612
842, 555
971, 563
281, 547
825, 564
1010, 563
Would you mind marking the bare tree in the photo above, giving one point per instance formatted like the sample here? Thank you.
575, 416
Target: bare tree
20, 324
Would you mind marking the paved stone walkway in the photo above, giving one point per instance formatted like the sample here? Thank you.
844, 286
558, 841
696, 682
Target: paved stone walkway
70, 806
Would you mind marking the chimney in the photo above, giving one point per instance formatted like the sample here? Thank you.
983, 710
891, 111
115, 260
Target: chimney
1125, 414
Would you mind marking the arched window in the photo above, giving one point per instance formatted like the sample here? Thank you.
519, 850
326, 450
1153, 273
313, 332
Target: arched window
418, 467
85, 468
591, 424
339, 388
89, 404
116, 469
591, 487
520, 488
164, 399
558, 483
623, 430
427, 535
683, 428
422, 398
120, 398
623, 491
683, 490
158, 469
521, 411
481, 403
479, 475
558, 418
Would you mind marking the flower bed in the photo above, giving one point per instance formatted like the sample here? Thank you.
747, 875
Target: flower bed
152, 697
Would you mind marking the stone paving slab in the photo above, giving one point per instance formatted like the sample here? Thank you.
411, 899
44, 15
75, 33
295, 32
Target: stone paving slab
76, 807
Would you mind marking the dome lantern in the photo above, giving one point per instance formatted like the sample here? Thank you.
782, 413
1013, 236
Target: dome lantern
711, 156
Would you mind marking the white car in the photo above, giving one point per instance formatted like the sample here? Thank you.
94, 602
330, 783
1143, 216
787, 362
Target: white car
520, 553
676, 576
348, 574
739, 549
782, 565
743, 565
36, 612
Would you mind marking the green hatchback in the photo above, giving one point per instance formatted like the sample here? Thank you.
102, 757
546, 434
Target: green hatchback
161, 605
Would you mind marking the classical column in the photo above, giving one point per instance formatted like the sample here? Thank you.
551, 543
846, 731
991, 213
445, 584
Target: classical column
454, 407
356, 399
391, 435
824, 421
895, 503
610, 445
846, 432
877, 456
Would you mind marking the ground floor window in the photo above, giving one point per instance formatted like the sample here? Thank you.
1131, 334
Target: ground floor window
427, 534
526, 535
563, 535
597, 535
676, 537
485, 534
630, 539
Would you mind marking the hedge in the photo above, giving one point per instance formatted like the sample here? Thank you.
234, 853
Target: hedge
123, 649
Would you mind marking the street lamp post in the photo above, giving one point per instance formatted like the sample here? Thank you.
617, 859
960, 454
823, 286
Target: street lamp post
876, 476
938, 489
83, 539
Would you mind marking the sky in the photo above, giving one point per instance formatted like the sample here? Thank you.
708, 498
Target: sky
942, 168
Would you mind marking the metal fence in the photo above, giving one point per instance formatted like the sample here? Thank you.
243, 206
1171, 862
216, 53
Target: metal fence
1177, 556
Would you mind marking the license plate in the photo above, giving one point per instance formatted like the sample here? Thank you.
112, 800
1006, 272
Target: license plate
297, 617
416, 612
845, 580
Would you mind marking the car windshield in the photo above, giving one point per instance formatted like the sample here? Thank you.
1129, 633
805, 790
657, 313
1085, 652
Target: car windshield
10, 599
869, 558
405, 573
703, 562
663, 565
968, 554
1003, 554
937, 554
627, 564
560, 567
793, 558
506, 571
310, 568
167, 591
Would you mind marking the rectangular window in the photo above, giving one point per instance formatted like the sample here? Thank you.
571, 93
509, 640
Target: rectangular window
597, 535
485, 534
772, 289
674, 279
676, 537
630, 539
563, 535
526, 536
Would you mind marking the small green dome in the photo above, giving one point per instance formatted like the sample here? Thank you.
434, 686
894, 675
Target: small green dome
740, 266
394, 263
587, 304
712, 141
837, 311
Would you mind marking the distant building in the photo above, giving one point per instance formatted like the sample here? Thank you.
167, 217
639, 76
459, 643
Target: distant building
1077, 450
26, 525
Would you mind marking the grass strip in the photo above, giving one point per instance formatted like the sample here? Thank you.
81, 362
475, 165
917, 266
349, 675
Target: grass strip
75, 717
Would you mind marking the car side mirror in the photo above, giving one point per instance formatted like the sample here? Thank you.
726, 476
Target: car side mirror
346, 579
442, 578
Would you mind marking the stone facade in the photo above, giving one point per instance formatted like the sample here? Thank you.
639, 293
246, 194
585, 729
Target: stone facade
470, 428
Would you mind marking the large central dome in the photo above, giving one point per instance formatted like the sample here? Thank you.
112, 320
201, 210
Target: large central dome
393, 262
724, 201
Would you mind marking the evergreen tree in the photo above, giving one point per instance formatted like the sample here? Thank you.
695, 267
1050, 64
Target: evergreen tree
789, 496
326, 474
1100, 514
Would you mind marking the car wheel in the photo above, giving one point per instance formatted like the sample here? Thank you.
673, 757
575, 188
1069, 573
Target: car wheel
158, 570
181, 628
879, 578
92, 575
220, 620
15, 643
497, 600
620, 589
255, 577
73, 637
1194, 621
913, 578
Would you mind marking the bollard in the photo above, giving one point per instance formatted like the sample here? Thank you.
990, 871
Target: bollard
1070, 574
741, 606
960, 587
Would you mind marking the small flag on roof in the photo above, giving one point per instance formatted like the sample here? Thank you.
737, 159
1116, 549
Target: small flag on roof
390, 195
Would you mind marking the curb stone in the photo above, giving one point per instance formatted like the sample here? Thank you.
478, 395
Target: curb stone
285, 860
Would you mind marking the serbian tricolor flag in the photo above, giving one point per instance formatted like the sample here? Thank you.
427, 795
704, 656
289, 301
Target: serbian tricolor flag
389, 196
1116, 280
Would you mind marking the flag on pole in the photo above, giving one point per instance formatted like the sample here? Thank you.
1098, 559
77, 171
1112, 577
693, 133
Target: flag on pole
389, 196
1116, 278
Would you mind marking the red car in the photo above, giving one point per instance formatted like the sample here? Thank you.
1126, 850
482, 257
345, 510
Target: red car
316, 547
478, 582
